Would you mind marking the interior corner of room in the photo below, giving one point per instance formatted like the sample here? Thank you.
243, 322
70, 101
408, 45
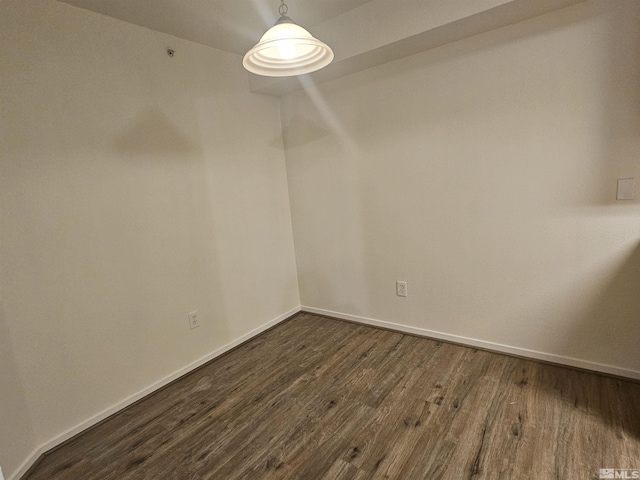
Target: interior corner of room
159, 208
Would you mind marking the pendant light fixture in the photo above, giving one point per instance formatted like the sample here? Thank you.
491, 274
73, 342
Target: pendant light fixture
287, 49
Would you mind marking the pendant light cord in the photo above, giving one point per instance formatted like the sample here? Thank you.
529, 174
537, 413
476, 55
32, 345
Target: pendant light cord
283, 8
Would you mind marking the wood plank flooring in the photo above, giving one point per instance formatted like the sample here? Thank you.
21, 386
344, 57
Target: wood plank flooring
318, 398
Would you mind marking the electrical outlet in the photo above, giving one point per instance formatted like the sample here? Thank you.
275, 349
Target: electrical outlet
401, 288
194, 320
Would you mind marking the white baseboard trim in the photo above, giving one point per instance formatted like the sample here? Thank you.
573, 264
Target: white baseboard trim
472, 342
54, 442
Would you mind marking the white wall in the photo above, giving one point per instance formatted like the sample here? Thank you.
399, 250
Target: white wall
17, 438
135, 188
483, 173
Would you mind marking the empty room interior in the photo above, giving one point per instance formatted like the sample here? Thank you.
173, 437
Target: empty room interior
420, 260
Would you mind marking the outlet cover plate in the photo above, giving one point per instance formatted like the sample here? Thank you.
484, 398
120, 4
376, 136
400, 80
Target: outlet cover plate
194, 320
401, 288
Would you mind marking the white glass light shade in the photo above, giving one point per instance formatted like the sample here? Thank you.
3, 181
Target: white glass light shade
287, 49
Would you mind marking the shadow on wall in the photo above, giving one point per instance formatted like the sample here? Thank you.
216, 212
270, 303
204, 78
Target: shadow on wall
612, 321
620, 99
300, 131
152, 133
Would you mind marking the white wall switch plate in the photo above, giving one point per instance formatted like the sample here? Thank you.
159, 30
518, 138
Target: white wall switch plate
625, 189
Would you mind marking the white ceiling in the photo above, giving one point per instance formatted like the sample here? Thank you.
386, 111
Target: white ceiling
231, 25
362, 33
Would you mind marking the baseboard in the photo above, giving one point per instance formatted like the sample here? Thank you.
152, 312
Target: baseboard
63, 437
472, 342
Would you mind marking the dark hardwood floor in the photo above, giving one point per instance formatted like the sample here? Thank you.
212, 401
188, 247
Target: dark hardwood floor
318, 398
